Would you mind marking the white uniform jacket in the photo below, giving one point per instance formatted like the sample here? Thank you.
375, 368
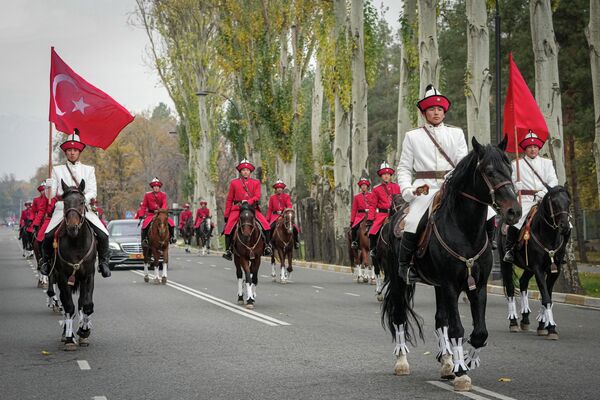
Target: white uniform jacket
420, 154
80, 171
529, 181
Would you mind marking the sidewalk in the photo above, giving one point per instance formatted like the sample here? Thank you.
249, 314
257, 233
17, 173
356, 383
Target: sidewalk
565, 298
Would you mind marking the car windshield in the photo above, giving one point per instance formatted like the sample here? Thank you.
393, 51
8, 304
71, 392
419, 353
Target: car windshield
125, 229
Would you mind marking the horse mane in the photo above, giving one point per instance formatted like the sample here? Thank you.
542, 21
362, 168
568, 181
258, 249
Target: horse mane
464, 173
246, 207
551, 191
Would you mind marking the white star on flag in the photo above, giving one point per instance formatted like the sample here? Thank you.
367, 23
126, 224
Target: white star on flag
80, 105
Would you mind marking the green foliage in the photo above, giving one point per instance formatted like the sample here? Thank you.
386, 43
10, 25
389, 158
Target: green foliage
376, 33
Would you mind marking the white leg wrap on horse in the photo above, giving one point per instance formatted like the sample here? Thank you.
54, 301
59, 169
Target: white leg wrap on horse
401, 347
372, 273
525, 303
156, 272
512, 308
273, 270
541, 317
44, 279
165, 268
85, 321
378, 282
145, 269
458, 355
240, 287
360, 271
472, 359
443, 342
549, 316
249, 292
282, 273
68, 326
253, 287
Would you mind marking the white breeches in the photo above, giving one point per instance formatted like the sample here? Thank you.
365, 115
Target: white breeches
526, 203
58, 216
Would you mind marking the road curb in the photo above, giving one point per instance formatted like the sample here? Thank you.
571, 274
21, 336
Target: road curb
564, 298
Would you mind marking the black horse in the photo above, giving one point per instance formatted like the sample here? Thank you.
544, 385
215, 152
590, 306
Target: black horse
540, 257
203, 234
458, 258
187, 232
73, 264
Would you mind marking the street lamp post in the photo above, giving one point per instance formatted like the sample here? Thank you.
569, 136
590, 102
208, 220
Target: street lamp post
496, 272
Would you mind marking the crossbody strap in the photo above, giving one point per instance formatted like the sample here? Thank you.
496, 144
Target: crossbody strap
441, 150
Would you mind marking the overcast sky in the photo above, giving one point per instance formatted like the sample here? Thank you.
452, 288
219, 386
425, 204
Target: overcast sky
95, 39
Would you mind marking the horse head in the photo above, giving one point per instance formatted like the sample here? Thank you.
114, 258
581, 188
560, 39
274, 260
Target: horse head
74, 207
555, 208
484, 176
246, 220
289, 216
161, 222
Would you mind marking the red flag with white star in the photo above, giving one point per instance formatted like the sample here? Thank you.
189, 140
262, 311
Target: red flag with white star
75, 103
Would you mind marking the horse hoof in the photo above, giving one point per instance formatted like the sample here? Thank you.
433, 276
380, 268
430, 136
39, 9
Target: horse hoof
250, 306
156, 280
55, 309
365, 280
70, 346
552, 336
240, 300
84, 342
163, 280
447, 369
274, 279
462, 383
372, 281
146, 278
514, 328
379, 297
524, 327
401, 367
40, 285
542, 332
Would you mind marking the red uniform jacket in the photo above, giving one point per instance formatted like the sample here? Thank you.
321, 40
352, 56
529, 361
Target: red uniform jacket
26, 215
184, 216
360, 208
139, 213
242, 189
277, 204
153, 201
201, 214
47, 216
38, 208
381, 199
100, 212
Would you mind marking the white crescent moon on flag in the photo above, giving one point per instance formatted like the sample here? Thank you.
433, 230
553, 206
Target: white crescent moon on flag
58, 79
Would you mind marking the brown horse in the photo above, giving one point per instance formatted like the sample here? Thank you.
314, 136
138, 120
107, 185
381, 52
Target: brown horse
283, 245
157, 247
248, 247
359, 258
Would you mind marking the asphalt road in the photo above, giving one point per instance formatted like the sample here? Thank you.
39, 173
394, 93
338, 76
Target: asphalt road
318, 337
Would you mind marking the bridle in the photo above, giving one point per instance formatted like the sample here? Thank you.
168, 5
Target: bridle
492, 190
81, 214
288, 220
246, 223
553, 215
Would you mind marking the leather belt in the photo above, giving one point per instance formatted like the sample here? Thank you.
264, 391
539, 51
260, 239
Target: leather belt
529, 192
363, 211
430, 174
277, 212
383, 210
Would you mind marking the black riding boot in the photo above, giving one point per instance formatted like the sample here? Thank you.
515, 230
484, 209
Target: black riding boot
354, 231
103, 252
372, 245
172, 234
512, 236
268, 250
228, 253
490, 228
408, 244
296, 240
145, 236
47, 251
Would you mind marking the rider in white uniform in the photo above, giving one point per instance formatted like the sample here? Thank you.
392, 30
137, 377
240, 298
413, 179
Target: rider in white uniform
531, 187
72, 173
421, 156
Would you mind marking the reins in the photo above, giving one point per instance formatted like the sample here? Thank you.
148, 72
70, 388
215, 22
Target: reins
238, 233
492, 190
77, 265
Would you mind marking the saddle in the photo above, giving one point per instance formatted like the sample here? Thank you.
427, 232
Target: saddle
423, 241
524, 235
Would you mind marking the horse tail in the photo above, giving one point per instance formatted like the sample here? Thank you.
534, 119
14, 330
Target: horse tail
398, 301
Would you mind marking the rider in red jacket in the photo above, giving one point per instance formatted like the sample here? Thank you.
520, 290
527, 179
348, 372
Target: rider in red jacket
184, 216
381, 202
278, 203
153, 201
360, 208
244, 189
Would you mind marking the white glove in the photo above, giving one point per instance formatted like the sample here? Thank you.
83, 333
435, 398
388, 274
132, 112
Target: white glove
519, 185
50, 182
408, 195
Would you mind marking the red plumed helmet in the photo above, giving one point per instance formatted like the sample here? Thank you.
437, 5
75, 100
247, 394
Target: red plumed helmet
155, 182
245, 164
433, 98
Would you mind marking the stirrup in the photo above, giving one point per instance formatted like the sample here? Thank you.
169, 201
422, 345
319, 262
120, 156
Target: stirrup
228, 255
509, 256
372, 253
354, 245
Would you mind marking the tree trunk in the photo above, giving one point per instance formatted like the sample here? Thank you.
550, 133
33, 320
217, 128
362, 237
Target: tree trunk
547, 84
429, 59
286, 171
592, 33
360, 151
478, 78
570, 147
341, 149
315, 126
408, 44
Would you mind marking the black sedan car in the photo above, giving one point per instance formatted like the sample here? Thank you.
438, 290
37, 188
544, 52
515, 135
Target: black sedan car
125, 243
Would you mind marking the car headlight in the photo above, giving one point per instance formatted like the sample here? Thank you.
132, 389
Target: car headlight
114, 246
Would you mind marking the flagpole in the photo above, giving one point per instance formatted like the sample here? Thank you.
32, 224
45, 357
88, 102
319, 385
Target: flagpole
49, 149
517, 161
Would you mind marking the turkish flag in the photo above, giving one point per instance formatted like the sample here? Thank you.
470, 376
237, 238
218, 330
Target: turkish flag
521, 111
75, 103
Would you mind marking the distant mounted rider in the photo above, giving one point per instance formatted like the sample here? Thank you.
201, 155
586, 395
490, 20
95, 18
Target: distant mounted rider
278, 203
361, 204
153, 201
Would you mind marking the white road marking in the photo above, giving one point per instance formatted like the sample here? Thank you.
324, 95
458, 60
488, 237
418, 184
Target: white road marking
265, 319
352, 294
83, 365
188, 260
471, 395
228, 269
212, 265
265, 276
99, 398
318, 287
200, 262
